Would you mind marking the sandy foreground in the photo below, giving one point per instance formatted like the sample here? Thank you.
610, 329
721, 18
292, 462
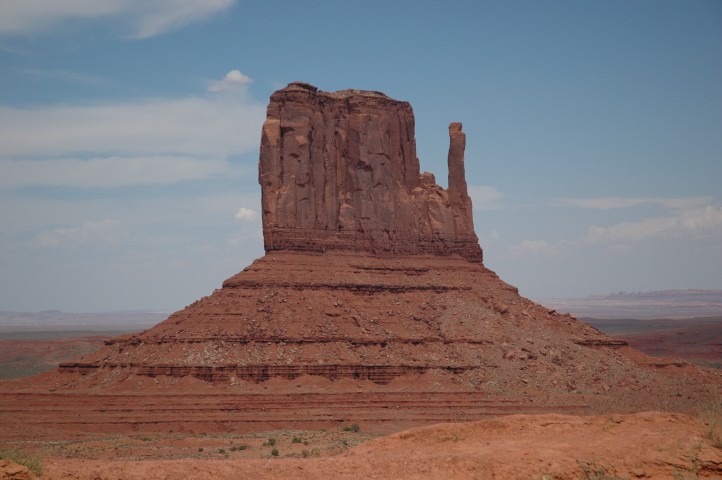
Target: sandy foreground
645, 445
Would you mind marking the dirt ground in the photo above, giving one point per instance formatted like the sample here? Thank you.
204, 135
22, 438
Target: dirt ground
648, 445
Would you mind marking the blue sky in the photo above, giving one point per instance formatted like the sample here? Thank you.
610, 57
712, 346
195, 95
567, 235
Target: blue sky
129, 135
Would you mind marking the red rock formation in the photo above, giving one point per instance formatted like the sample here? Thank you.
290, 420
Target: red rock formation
414, 337
338, 171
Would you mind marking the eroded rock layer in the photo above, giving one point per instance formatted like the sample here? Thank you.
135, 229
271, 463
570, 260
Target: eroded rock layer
415, 323
338, 171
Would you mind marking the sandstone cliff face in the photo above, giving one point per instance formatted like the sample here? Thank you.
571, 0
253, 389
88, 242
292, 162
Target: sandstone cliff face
338, 171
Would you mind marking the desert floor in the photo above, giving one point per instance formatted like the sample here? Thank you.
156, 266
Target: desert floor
645, 445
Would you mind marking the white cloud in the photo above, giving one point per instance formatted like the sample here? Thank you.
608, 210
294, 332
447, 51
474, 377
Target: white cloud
152, 141
483, 196
245, 214
533, 246
109, 171
88, 234
160, 16
145, 18
188, 126
233, 79
608, 203
686, 223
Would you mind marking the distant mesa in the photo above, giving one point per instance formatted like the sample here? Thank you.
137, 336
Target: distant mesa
643, 305
338, 171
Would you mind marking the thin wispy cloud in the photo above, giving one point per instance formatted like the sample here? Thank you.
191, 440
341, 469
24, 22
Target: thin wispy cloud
63, 75
152, 141
144, 19
196, 125
533, 247
110, 171
161, 16
687, 223
609, 203
484, 197
90, 233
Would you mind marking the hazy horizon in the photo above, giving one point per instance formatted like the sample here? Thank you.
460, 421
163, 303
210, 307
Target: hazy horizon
129, 137
649, 303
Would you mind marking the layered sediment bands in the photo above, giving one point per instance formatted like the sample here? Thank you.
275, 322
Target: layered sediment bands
358, 322
338, 171
54, 415
604, 342
379, 374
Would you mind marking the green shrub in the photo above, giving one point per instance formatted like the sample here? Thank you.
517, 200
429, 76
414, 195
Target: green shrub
270, 442
313, 453
353, 428
274, 452
296, 440
33, 462
592, 471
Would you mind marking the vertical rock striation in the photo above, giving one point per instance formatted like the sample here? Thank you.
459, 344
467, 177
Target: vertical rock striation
338, 171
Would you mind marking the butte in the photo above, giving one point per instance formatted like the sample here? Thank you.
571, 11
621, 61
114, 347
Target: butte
371, 305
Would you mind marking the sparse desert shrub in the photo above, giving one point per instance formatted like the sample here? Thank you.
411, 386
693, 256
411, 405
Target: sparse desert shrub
453, 437
313, 453
33, 462
296, 440
274, 452
270, 442
592, 471
222, 451
353, 428
713, 418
